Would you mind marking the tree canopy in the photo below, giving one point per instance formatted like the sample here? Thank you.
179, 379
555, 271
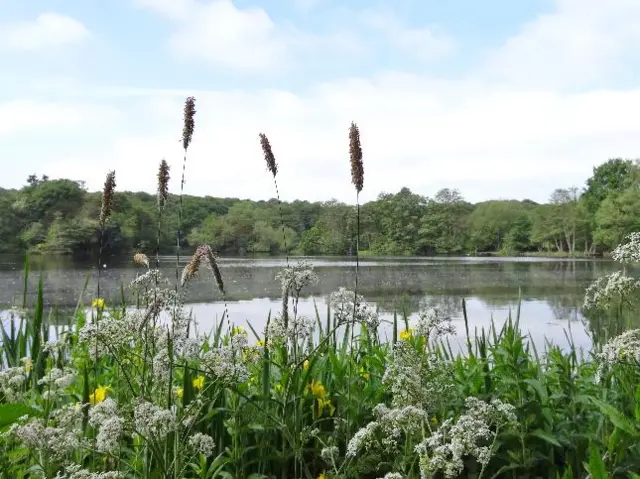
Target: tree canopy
60, 217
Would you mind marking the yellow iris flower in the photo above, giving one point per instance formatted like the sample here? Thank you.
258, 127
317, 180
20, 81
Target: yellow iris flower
198, 383
98, 303
99, 395
406, 335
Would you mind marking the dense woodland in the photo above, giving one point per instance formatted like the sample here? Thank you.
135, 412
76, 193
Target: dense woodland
60, 217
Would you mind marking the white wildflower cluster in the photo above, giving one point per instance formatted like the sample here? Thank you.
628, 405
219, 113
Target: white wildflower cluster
149, 279
110, 335
75, 471
386, 433
393, 475
104, 416
432, 324
202, 444
330, 454
416, 378
54, 346
295, 278
153, 422
345, 312
621, 349
225, 364
471, 435
609, 289
298, 329
628, 252
58, 438
139, 328
11, 383
56, 381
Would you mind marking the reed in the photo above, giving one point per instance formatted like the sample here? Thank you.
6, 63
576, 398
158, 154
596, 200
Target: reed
187, 135
357, 179
162, 198
106, 208
272, 167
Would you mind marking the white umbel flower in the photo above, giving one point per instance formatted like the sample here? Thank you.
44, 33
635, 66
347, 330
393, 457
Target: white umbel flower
202, 443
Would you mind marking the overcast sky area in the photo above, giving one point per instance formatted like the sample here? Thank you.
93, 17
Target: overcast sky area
498, 98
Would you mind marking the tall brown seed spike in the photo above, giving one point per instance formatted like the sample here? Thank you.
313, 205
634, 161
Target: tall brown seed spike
163, 184
107, 198
269, 157
355, 154
189, 123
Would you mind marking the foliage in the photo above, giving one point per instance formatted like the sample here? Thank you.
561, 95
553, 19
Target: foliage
59, 216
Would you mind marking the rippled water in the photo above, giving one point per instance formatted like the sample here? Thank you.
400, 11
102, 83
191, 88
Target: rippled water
551, 290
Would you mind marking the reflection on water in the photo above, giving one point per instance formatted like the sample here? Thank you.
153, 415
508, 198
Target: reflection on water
551, 290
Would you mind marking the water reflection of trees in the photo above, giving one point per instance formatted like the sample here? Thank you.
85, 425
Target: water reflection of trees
494, 282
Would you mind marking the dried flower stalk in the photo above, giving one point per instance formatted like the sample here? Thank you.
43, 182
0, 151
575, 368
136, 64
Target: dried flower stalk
203, 254
189, 123
355, 153
269, 157
163, 184
141, 259
190, 271
107, 198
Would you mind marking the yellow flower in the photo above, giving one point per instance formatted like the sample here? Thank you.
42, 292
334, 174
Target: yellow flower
323, 476
406, 334
317, 389
27, 364
99, 395
306, 365
325, 403
179, 392
198, 383
238, 330
98, 303
364, 374
260, 343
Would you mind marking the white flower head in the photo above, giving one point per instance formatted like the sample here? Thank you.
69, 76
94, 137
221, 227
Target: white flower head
203, 444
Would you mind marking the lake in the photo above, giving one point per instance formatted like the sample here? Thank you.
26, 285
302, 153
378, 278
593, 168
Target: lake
551, 290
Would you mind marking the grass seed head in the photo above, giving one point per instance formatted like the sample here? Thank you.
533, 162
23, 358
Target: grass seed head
190, 271
141, 259
107, 198
355, 153
189, 123
163, 184
269, 157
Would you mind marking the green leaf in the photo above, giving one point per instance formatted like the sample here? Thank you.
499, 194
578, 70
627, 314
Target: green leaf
545, 436
10, 413
616, 417
596, 466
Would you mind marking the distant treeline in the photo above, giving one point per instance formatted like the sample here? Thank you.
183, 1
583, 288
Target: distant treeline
60, 217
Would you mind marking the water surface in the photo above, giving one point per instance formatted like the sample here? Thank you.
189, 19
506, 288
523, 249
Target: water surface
551, 291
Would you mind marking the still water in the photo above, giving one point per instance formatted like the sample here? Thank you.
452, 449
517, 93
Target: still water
551, 291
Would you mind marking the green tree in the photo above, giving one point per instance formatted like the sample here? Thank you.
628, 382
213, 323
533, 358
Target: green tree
444, 227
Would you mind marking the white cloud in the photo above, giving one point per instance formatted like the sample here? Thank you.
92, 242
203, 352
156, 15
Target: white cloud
240, 39
416, 132
488, 139
247, 39
47, 31
425, 42
26, 116
579, 44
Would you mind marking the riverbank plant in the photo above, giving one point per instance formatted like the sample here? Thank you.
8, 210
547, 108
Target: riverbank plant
136, 391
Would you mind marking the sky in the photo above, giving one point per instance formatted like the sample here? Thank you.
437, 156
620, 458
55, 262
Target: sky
499, 98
